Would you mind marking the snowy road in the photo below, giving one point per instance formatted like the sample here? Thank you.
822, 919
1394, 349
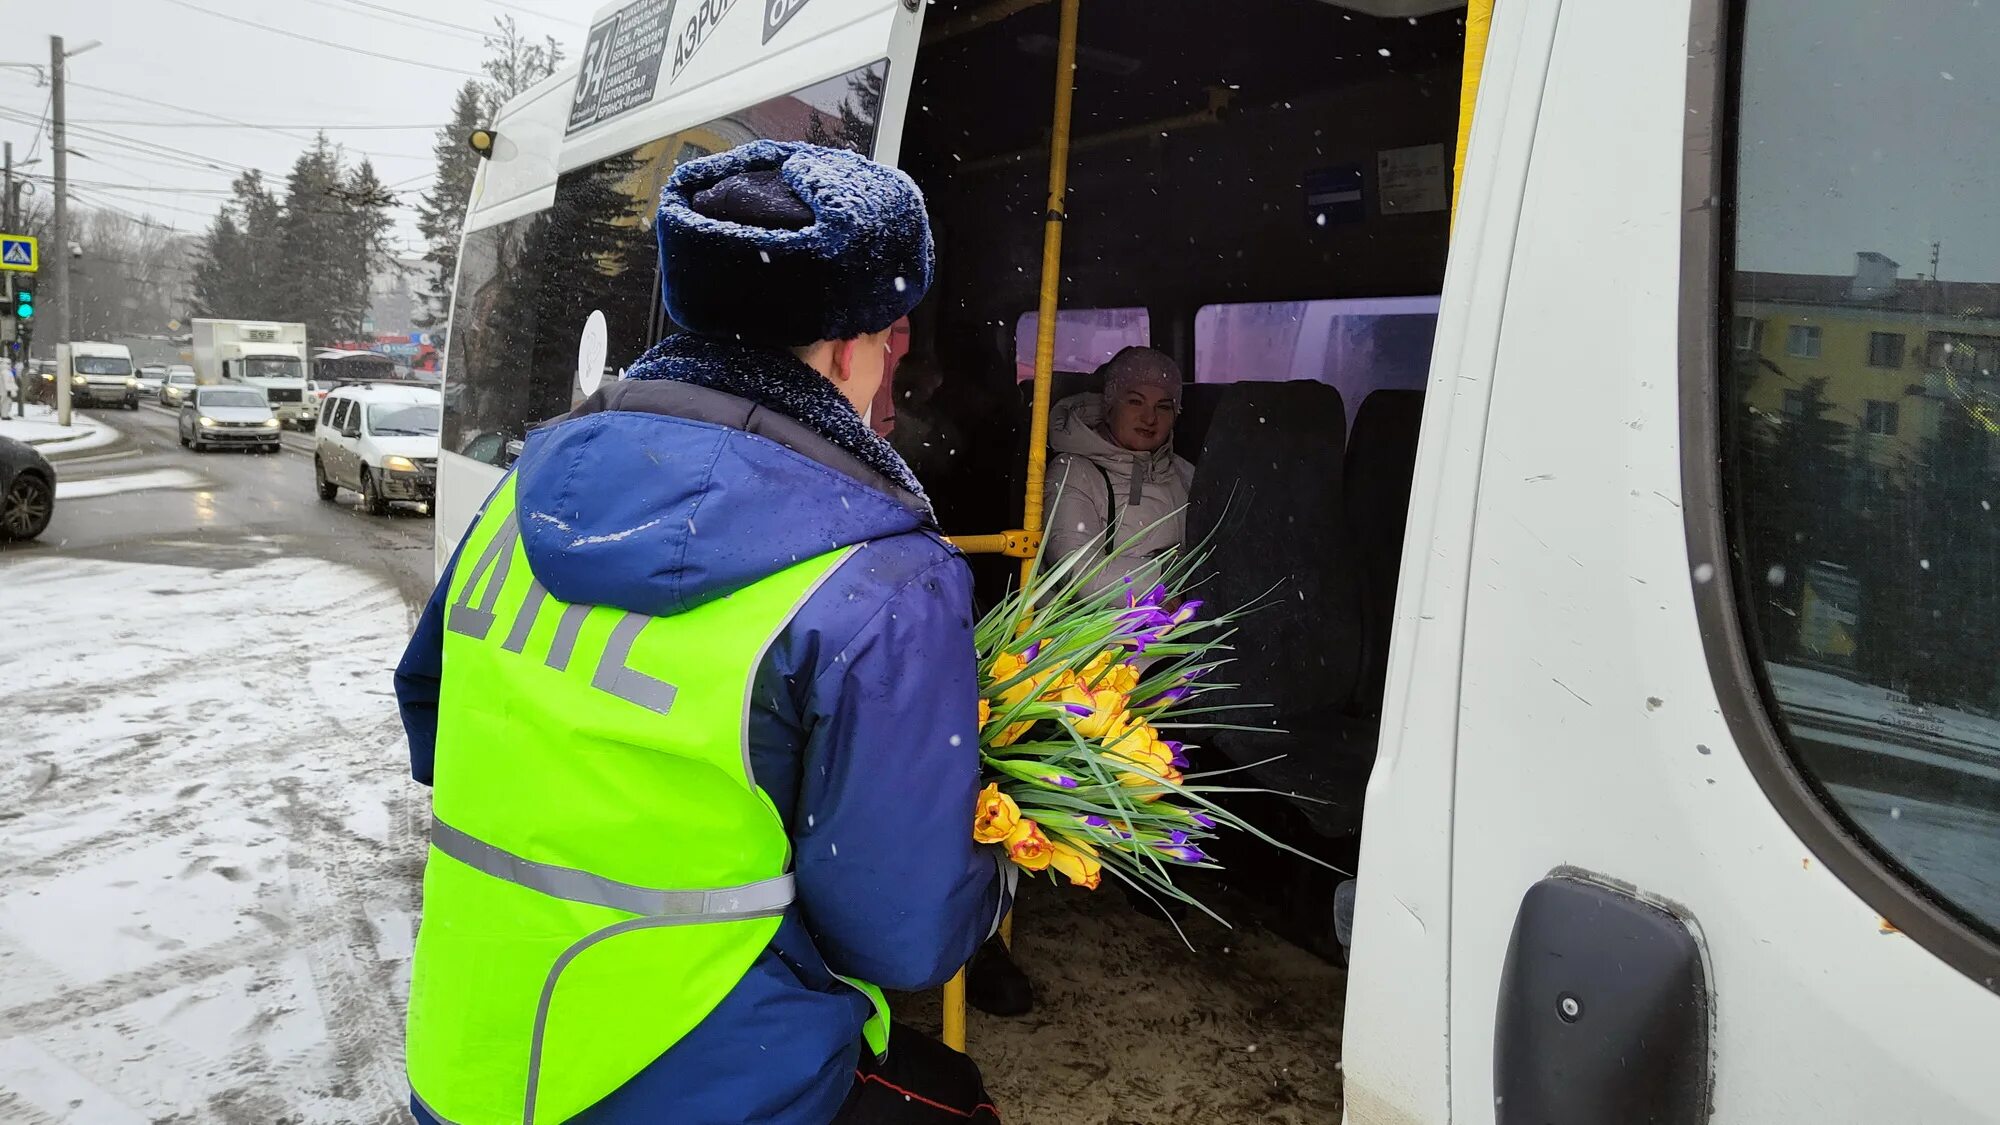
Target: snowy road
210, 849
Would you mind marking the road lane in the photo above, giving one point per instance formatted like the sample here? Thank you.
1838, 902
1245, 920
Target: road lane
238, 508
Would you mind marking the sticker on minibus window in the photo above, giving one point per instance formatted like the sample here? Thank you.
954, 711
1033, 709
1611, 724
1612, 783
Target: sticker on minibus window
621, 63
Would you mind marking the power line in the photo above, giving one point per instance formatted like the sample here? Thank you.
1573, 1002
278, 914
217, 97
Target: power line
37, 142
323, 42
103, 205
461, 30
104, 136
248, 125
132, 187
279, 130
564, 20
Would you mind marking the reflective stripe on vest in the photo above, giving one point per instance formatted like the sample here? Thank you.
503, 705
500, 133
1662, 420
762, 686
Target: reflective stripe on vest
604, 868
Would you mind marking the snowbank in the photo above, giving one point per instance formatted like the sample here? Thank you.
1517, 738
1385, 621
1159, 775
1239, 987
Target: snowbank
212, 851
38, 428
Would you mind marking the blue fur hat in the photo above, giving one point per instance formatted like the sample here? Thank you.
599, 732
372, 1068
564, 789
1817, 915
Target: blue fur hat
784, 244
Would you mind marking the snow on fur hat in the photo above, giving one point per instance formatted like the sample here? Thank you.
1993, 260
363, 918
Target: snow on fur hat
783, 243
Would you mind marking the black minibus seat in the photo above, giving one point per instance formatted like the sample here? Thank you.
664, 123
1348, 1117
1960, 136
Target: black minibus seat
1198, 401
1381, 459
1268, 500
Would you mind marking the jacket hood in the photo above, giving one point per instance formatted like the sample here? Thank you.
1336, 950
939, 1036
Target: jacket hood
657, 496
1074, 429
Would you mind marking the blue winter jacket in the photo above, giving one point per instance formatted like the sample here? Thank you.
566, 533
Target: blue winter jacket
862, 722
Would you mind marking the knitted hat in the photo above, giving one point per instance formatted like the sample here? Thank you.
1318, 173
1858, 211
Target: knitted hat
1136, 366
784, 244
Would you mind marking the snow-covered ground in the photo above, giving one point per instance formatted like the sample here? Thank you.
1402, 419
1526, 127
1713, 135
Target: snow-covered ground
209, 850
127, 482
38, 428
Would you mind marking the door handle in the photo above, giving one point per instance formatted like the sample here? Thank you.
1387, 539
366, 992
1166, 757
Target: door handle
1604, 1011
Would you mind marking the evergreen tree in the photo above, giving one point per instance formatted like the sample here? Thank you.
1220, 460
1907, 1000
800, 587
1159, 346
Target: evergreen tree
217, 266
857, 115
314, 222
441, 215
1953, 582
238, 263
364, 214
1793, 480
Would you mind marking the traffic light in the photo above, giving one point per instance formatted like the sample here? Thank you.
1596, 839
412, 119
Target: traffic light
24, 303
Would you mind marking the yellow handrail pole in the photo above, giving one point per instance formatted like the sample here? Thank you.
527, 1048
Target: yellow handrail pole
1478, 22
954, 1012
1045, 365
1052, 234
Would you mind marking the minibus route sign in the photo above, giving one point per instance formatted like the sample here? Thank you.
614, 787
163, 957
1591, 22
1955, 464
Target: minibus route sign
778, 13
621, 63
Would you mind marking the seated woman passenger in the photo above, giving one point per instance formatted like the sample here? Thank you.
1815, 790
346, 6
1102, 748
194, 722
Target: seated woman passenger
1114, 485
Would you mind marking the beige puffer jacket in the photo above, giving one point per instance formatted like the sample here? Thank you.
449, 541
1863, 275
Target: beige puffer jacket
1090, 478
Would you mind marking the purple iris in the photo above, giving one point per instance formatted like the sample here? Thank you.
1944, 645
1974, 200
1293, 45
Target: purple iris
1095, 821
1177, 837
1153, 597
1186, 612
1029, 654
1203, 819
1179, 752
1063, 780
1078, 709
1171, 695
1186, 853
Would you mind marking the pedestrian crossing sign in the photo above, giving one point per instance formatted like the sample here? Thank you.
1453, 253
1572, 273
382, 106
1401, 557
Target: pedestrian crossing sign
19, 252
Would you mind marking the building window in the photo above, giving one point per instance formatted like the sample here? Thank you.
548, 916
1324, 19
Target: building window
1880, 417
1085, 338
1885, 349
1870, 586
1749, 334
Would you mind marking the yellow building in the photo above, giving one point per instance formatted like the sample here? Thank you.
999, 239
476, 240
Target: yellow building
1894, 352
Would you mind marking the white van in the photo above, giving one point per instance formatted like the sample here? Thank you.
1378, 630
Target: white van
380, 441
1637, 634
101, 374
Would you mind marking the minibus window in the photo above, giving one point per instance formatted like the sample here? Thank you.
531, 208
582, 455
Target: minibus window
1862, 439
1085, 338
528, 285
1357, 346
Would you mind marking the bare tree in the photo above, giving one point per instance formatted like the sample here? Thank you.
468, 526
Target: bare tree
515, 63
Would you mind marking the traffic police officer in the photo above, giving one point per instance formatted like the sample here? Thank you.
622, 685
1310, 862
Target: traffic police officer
697, 701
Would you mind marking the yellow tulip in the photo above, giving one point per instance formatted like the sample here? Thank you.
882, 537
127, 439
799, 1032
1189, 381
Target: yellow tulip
1107, 719
1006, 666
1170, 775
1028, 848
995, 817
1078, 862
1107, 672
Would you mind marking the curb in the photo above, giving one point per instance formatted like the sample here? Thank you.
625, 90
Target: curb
60, 450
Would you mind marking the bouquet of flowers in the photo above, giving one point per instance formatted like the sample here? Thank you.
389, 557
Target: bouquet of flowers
1086, 700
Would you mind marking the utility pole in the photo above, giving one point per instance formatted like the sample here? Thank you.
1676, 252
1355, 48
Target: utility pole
15, 345
59, 229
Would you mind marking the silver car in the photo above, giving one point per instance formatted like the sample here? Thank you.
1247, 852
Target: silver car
229, 415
